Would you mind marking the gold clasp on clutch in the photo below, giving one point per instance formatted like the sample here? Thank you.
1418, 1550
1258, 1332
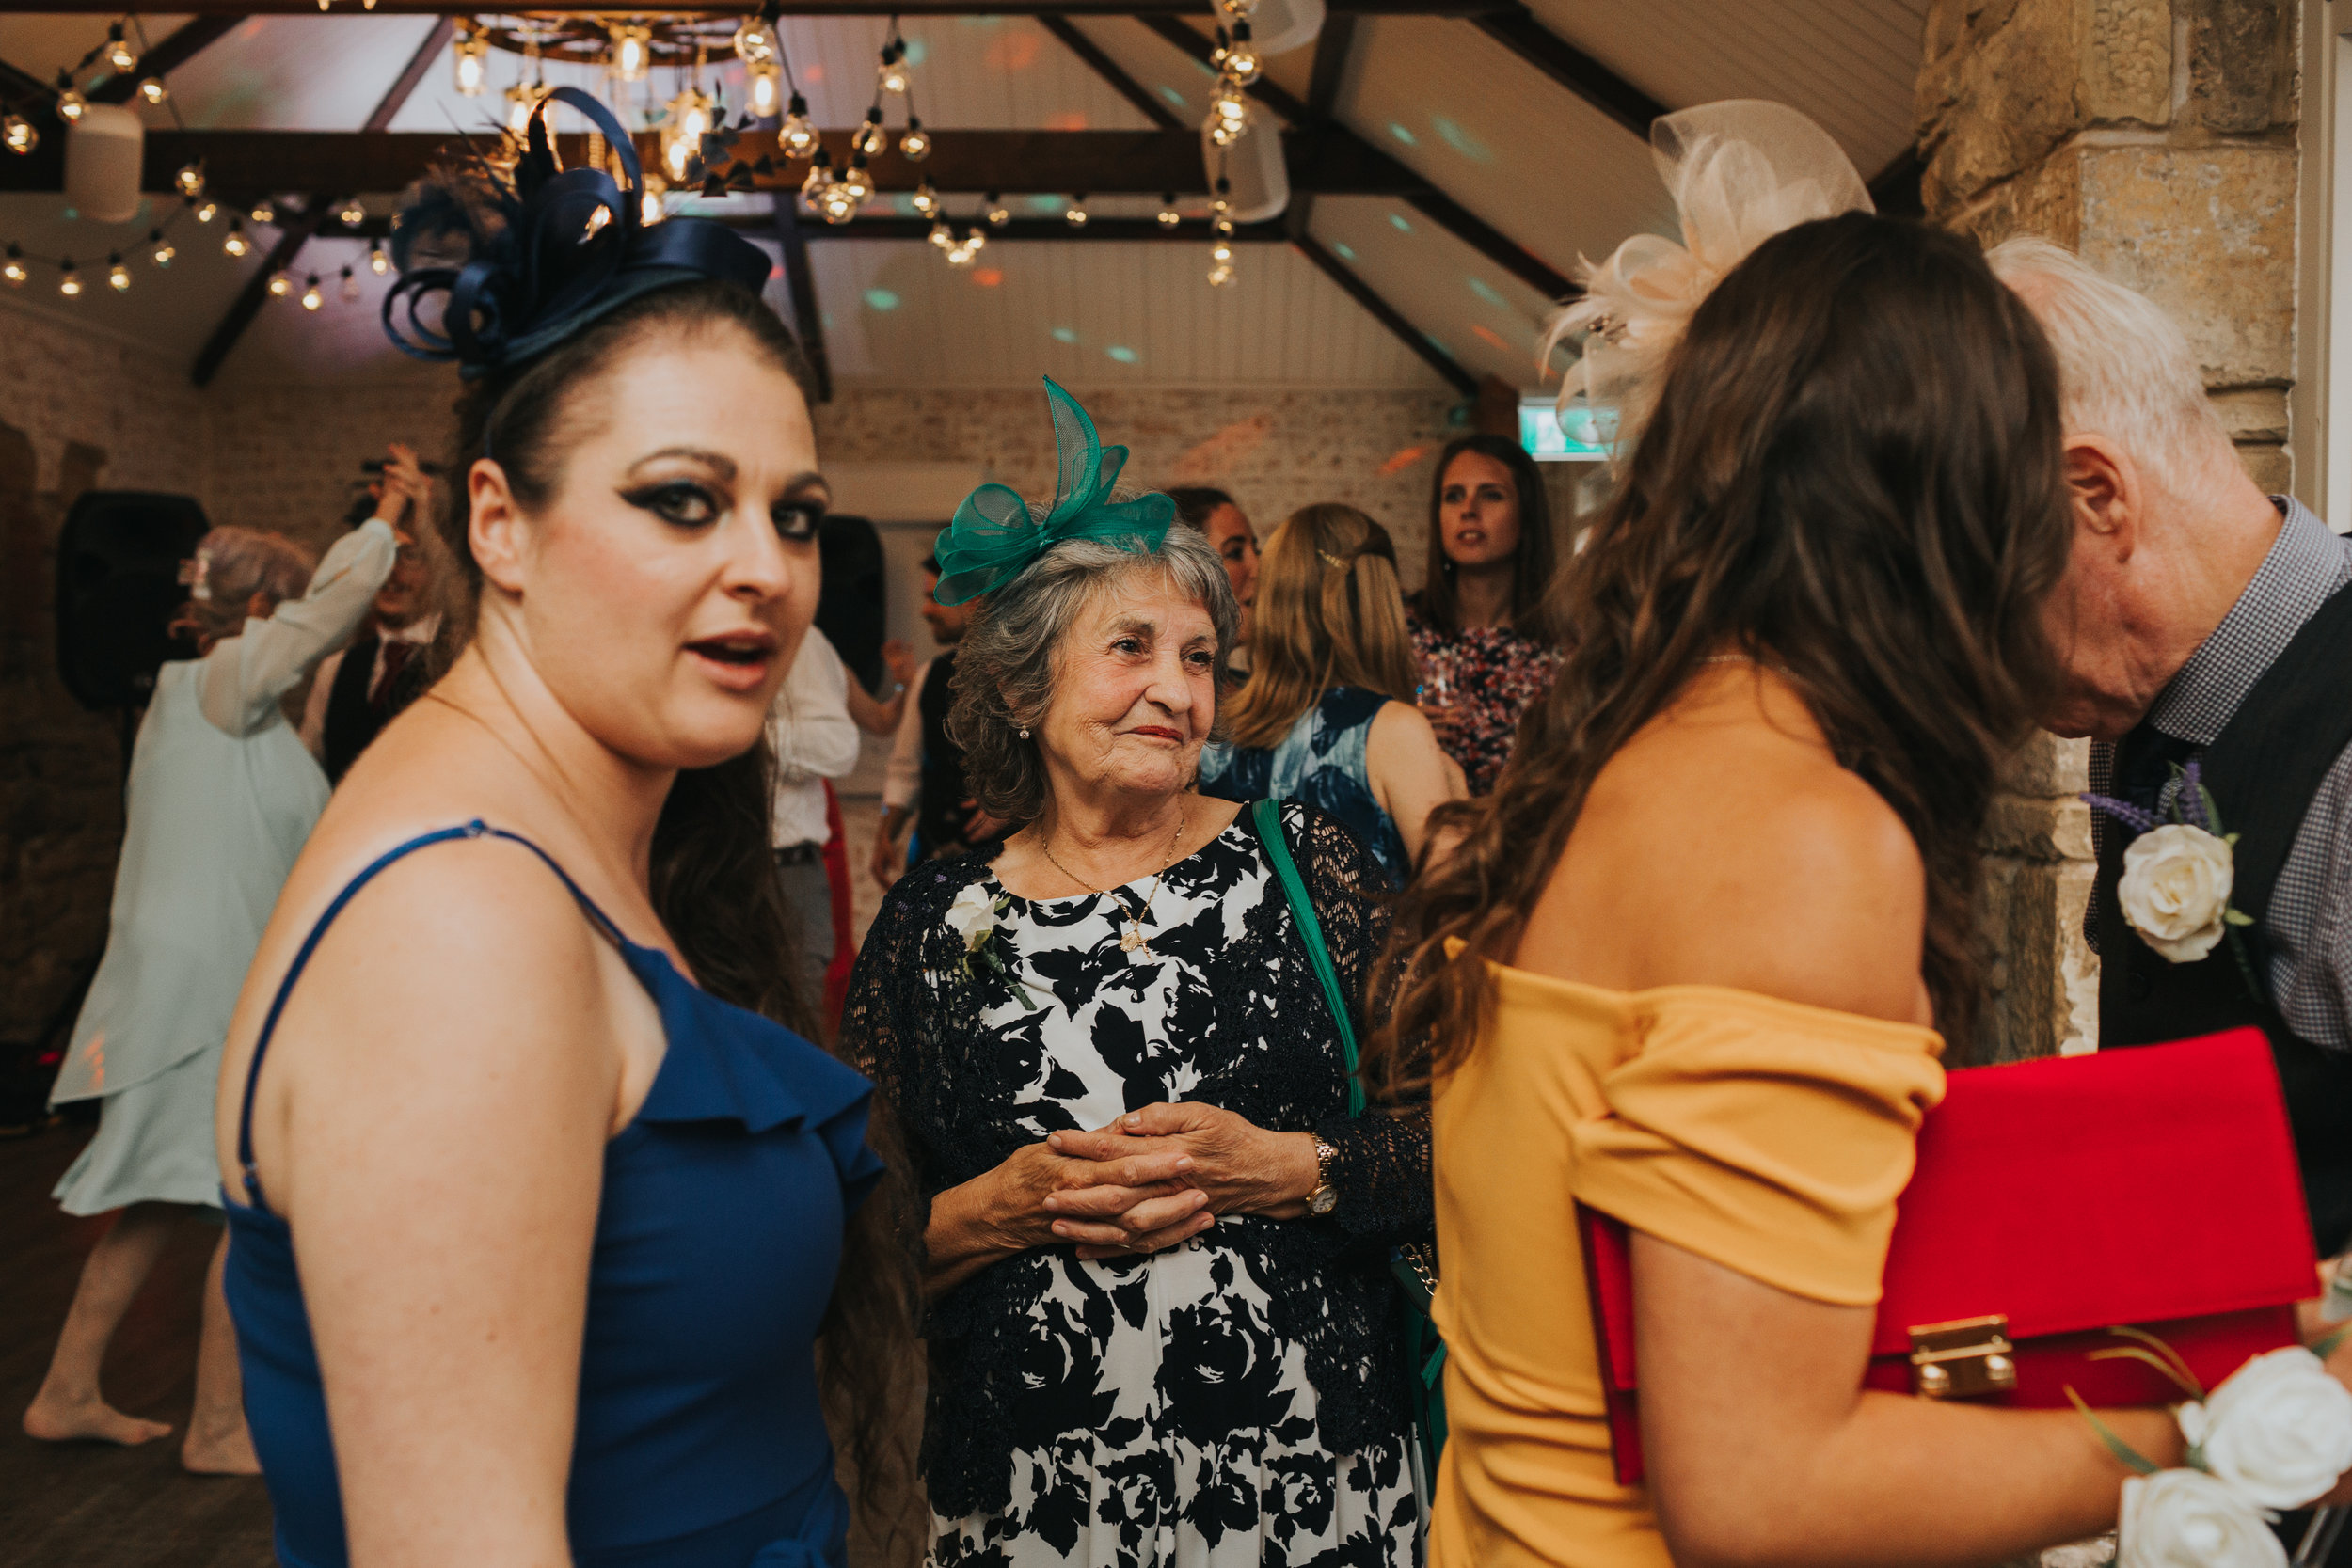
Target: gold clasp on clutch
1962, 1359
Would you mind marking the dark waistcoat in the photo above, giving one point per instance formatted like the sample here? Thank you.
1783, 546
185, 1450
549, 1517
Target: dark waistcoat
939, 816
2261, 771
352, 721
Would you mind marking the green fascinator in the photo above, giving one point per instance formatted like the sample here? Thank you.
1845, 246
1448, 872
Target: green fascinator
993, 538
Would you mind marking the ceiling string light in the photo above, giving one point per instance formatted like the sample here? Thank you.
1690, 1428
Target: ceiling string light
1170, 216
471, 59
1075, 213
998, 213
118, 57
1221, 226
18, 135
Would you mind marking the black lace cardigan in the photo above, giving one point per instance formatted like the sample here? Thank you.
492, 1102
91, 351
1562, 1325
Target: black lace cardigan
909, 1025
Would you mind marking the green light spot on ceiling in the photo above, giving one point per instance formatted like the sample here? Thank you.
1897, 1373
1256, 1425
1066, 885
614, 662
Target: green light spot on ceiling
1396, 221
880, 299
1345, 253
1173, 97
1065, 335
1048, 204
1488, 291
1121, 353
1437, 341
1462, 141
1403, 135
916, 53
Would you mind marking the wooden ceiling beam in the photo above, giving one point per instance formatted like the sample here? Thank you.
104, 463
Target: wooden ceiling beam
189, 39
255, 294
1323, 95
1516, 28
800, 282
242, 164
905, 9
1336, 140
1042, 230
1386, 314
405, 85
1146, 102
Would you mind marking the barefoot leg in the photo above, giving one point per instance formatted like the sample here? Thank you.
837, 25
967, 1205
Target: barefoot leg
218, 1443
68, 1404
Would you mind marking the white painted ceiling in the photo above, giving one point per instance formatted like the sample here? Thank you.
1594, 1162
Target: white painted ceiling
1519, 151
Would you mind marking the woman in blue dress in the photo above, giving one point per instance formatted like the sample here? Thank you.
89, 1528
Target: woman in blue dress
1326, 717
571, 1209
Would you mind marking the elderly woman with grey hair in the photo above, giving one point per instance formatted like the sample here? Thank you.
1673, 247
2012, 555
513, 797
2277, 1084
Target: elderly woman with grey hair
1156, 1241
222, 798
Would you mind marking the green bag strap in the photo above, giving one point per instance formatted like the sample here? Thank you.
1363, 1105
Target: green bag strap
1265, 820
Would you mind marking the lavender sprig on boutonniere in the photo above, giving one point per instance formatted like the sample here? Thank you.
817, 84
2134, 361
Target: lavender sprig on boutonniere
2178, 875
972, 917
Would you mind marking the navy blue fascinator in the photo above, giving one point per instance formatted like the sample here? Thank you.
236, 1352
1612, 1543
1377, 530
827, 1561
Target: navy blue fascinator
544, 254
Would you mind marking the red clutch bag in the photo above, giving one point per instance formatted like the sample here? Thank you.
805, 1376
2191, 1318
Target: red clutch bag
2053, 1199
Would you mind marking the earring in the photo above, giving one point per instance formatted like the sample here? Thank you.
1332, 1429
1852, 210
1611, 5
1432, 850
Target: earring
1024, 733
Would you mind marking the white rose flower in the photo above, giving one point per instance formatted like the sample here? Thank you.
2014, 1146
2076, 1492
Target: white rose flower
2187, 1519
972, 916
2279, 1430
2175, 887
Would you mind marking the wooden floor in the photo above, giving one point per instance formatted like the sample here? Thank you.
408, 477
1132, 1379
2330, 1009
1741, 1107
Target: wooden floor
85, 1505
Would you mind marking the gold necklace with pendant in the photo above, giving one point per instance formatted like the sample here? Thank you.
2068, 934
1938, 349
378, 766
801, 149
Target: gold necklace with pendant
1133, 937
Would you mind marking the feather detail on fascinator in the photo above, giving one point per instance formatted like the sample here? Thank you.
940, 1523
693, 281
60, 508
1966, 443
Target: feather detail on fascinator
1741, 172
520, 263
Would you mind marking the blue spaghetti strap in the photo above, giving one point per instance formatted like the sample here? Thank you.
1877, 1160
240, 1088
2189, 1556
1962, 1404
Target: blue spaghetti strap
476, 828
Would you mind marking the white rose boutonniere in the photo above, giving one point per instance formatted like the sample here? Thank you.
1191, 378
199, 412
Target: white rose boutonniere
2187, 1519
2279, 1430
2176, 890
2178, 875
972, 917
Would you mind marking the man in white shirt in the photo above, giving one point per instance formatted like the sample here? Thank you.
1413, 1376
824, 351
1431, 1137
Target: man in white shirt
813, 728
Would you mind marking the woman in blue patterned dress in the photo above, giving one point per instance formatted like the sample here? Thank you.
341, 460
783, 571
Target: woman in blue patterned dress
1326, 717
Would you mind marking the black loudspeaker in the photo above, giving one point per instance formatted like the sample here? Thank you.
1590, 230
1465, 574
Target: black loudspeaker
851, 612
118, 588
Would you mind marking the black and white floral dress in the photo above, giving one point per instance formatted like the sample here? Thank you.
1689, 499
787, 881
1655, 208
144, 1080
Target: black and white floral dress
1235, 1400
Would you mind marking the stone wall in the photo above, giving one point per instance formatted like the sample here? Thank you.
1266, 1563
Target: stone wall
287, 459
2157, 139
84, 412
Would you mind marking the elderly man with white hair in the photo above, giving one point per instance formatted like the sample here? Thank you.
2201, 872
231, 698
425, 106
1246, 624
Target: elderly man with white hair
2207, 634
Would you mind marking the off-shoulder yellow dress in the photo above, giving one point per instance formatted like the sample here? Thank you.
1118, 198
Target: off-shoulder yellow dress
1768, 1136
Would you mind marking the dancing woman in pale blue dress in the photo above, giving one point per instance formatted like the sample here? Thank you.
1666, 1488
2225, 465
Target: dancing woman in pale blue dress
222, 796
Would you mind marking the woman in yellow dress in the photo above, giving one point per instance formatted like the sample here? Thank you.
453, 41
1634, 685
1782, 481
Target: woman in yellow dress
1690, 966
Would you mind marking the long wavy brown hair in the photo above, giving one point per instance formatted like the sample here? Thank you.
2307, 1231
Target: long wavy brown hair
1852, 473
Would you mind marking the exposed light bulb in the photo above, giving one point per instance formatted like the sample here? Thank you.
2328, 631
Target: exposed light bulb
682, 132
350, 288
943, 236
755, 42
352, 215
926, 200
891, 76
311, 298
998, 213
1220, 275
279, 285
189, 182
1223, 225
18, 134
12, 270
72, 106
974, 241
915, 145
69, 284
796, 136
765, 80
522, 99
839, 204
858, 182
163, 252
472, 63
1076, 215
820, 176
234, 242
118, 57
378, 263
207, 209
960, 255
649, 209
1241, 61
632, 52
263, 212
1170, 216
870, 138
152, 90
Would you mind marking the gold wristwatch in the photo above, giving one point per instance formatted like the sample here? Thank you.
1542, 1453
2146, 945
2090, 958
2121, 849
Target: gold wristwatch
1324, 1198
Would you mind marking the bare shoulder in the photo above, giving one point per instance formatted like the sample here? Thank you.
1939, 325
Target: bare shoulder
1403, 726
1727, 847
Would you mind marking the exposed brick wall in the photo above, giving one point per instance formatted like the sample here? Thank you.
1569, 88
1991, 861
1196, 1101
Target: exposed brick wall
83, 413
285, 458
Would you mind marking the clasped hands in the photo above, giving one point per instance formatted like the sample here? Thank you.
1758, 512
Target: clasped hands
1155, 1177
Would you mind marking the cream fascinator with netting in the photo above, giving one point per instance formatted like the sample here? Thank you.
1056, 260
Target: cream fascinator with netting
1741, 172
